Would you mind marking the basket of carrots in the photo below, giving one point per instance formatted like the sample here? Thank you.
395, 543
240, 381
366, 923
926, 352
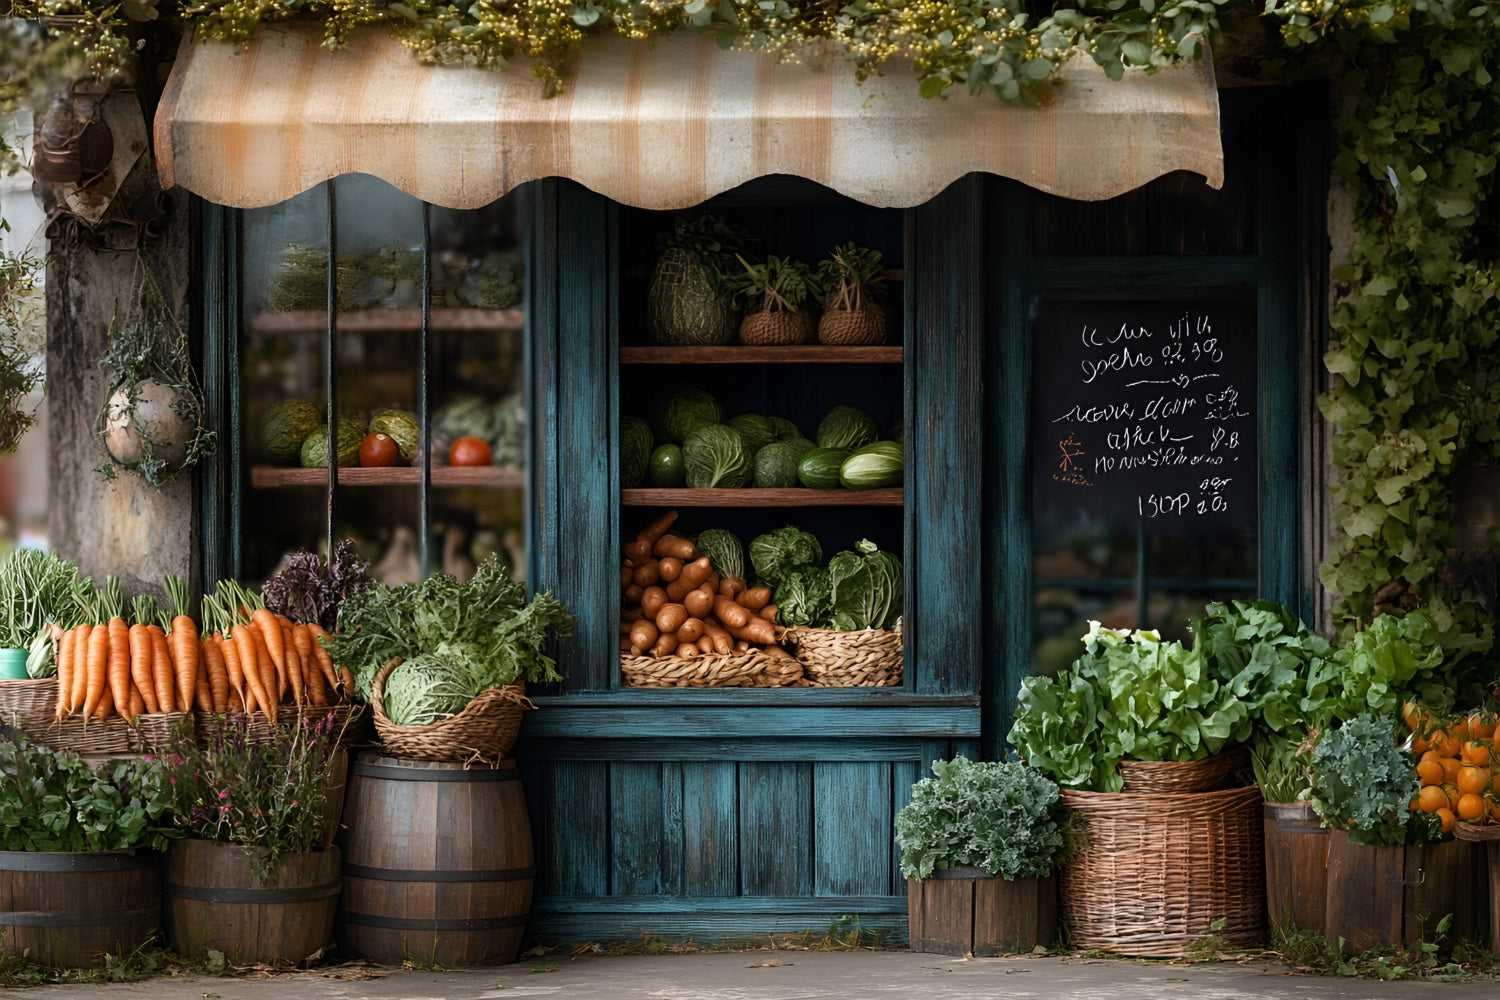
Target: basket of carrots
682, 625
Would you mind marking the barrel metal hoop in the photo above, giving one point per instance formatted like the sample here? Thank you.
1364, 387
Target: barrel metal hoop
211, 894
63, 861
77, 918
432, 924
431, 875
391, 772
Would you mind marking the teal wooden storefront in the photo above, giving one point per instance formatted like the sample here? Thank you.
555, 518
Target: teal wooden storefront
731, 812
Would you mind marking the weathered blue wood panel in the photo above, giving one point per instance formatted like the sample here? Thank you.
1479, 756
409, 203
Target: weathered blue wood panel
641, 849
851, 829
559, 719
775, 829
705, 919
575, 842
904, 774
710, 828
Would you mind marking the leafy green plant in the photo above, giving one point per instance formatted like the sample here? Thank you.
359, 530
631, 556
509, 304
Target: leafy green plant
53, 800
716, 456
867, 587
307, 589
849, 276
21, 322
1362, 782
775, 552
486, 625
268, 796
41, 589
998, 816
777, 284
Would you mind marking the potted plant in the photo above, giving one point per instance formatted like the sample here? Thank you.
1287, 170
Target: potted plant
851, 281
1391, 865
253, 873
40, 590
771, 294
979, 846
80, 868
687, 302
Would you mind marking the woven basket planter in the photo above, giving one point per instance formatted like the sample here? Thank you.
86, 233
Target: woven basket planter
30, 705
1152, 877
483, 733
736, 670
830, 658
776, 329
852, 327
114, 735
1174, 777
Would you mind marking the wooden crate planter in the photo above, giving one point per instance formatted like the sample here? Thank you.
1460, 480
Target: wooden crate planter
69, 909
1296, 866
1487, 838
1394, 896
963, 911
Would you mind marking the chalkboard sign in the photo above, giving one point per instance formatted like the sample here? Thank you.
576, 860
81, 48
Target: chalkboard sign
1144, 412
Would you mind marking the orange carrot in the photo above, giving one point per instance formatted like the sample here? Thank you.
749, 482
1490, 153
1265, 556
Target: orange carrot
119, 664
212, 659
295, 672
651, 532
65, 671
80, 679
346, 682
203, 697
106, 704
136, 707
140, 666
162, 672
244, 647
236, 672
317, 691
184, 644
325, 662
270, 632
96, 668
268, 678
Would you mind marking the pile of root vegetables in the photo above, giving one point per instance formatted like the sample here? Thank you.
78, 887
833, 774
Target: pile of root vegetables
675, 604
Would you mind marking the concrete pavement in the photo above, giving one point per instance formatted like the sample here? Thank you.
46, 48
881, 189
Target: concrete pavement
791, 975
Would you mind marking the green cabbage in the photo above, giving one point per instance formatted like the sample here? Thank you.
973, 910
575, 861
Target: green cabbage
725, 552
804, 597
758, 431
846, 427
867, 588
776, 463
775, 552
677, 414
427, 688
784, 429
468, 416
716, 456
635, 451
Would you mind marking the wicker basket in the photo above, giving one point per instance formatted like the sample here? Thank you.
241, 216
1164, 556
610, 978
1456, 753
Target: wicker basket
113, 735
1180, 777
775, 329
852, 327
482, 733
1151, 878
830, 658
736, 670
30, 705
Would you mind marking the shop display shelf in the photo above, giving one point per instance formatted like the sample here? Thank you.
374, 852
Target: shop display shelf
741, 354
271, 477
387, 321
794, 497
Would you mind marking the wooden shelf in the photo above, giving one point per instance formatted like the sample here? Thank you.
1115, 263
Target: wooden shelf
388, 321
274, 477
740, 354
797, 497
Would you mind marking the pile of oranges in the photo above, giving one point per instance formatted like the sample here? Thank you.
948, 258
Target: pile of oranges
1458, 764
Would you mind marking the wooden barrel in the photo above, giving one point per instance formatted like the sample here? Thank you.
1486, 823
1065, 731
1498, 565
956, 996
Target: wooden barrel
966, 911
68, 909
437, 862
1296, 866
215, 899
1380, 897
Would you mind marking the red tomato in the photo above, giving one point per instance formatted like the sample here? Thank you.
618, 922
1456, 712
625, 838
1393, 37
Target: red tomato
469, 451
379, 449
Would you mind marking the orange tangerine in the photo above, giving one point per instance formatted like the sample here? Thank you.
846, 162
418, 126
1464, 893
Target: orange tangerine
1495, 810
1453, 795
1459, 729
1473, 780
1449, 820
1470, 807
1430, 771
1414, 715
1419, 744
1482, 724
1450, 769
1475, 752
1446, 743
1431, 799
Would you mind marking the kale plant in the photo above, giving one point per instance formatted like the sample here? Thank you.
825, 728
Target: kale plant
1362, 782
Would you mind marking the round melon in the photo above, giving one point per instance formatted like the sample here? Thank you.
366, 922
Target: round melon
683, 304
315, 449
286, 425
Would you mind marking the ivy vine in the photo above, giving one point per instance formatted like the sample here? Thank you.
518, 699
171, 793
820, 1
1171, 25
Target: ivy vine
1415, 377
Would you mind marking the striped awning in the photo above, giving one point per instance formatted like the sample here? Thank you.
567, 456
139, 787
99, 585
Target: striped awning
660, 127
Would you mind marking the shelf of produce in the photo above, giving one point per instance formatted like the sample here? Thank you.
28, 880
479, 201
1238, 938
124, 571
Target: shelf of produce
271, 477
388, 321
892, 497
739, 354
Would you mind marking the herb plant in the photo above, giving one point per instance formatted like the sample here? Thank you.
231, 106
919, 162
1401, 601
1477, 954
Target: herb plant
40, 589
486, 626
53, 800
1364, 783
850, 277
997, 816
779, 284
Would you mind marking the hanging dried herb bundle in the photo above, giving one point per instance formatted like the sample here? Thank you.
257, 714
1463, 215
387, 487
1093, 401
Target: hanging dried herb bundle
306, 589
152, 421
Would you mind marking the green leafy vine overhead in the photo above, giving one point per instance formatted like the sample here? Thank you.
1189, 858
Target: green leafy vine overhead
1414, 375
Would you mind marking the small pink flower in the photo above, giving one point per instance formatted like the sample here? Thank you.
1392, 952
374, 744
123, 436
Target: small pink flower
224, 794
